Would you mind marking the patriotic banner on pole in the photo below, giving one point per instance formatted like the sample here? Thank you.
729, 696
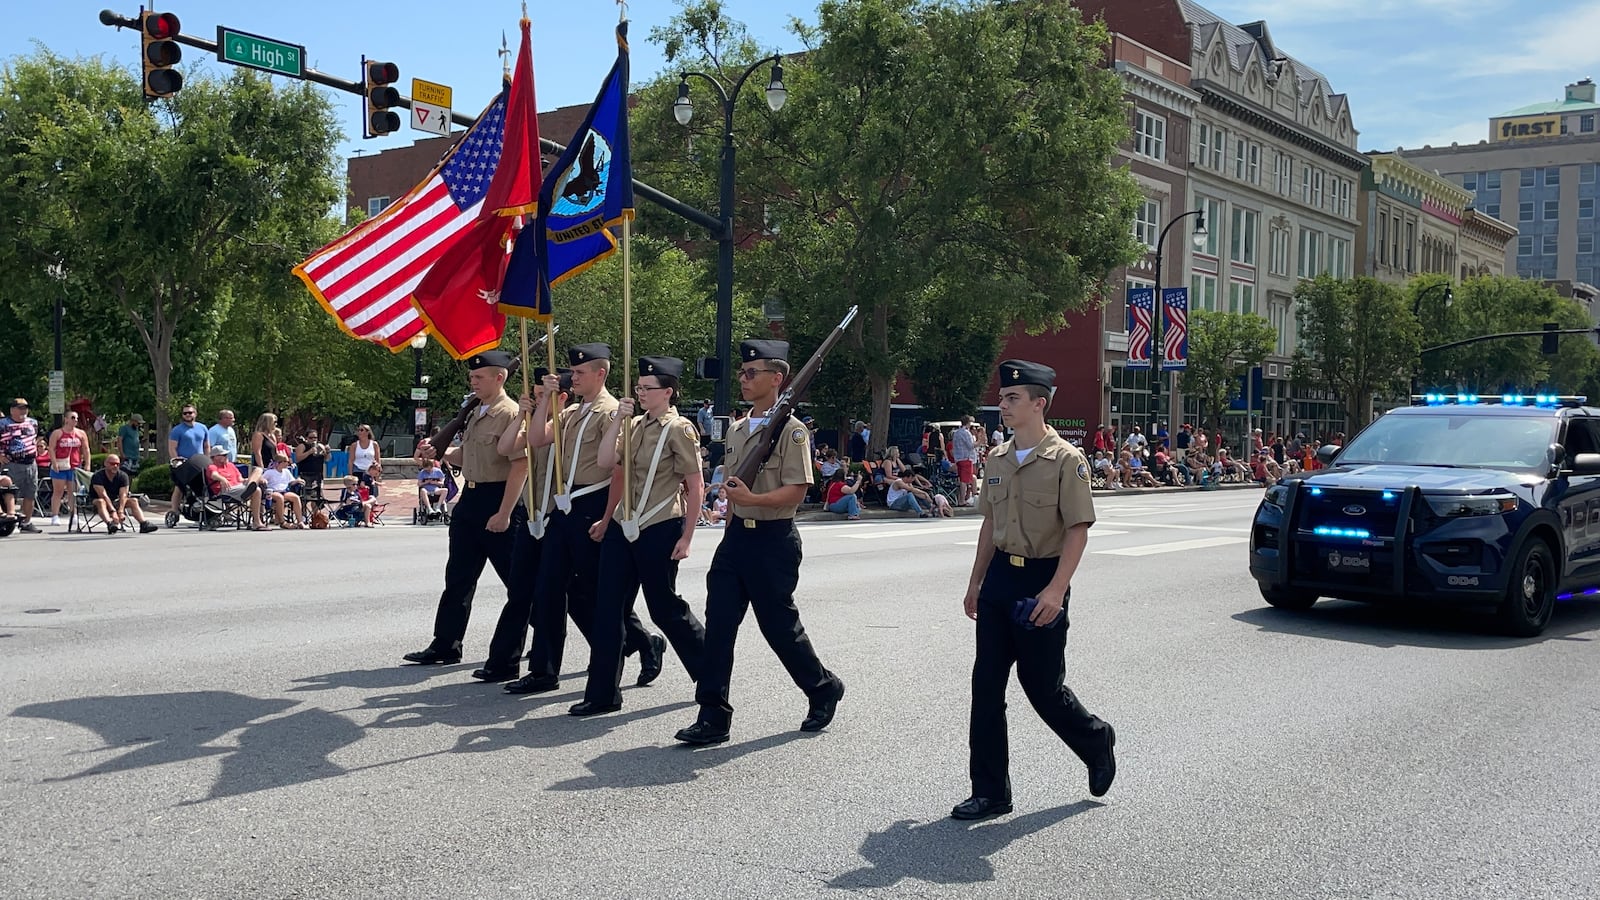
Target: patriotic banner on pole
365, 279
589, 189
1175, 328
1141, 314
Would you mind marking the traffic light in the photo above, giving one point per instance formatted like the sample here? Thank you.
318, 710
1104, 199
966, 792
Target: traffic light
708, 367
380, 96
1551, 342
161, 52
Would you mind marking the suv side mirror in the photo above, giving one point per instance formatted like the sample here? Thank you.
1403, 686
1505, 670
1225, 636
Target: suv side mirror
1586, 464
1326, 453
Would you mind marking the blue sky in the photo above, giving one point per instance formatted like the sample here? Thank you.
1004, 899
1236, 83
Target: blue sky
1417, 71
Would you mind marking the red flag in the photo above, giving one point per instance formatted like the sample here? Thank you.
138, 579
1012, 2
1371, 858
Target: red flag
459, 297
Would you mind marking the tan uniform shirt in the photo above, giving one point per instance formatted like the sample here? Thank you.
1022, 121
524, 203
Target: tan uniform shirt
790, 463
592, 425
680, 458
480, 458
536, 474
1032, 505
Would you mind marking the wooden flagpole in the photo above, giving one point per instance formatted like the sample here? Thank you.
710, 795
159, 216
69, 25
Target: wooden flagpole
555, 397
527, 426
627, 364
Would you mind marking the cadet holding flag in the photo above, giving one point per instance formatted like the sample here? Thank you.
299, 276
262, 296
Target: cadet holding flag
1037, 511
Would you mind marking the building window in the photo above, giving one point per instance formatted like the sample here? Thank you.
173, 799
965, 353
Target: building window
1383, 239
1527, 178
1552, 176
1492, 210
1394, 242
1491, 180
1345, 187
1149, 135
1305, 185
1219, 140
1585, 244
1548, 245
1202, 137
1339, 257
1586, 123
1310, 253
1213, 210
376, 205
1586, 173
1411, 247
1469, 181
1147, 222
1241, 297
1525, 211
1552, 210
1283, 171
1203, 292
1586, 208
1255, 163
1281, 238
1525, 245
1316, 189
1243, 236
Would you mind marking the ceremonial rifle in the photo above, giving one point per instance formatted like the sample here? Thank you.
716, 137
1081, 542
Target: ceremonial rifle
751, 464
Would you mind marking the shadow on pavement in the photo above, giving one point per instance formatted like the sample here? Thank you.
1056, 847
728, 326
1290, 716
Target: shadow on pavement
655, 766
384, 677
556, 731
945, 851
1418, 625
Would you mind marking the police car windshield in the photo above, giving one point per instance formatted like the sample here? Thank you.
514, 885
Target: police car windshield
1447, 438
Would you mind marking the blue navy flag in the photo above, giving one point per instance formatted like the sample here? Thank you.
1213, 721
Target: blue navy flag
589, 189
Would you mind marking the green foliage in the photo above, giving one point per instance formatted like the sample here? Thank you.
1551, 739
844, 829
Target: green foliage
1497, 305
1222, 346
154, 480
950, 365
1358, 339
931, 152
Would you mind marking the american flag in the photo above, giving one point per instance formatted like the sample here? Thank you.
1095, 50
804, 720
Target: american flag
1141, 309
365, 279
1175, 337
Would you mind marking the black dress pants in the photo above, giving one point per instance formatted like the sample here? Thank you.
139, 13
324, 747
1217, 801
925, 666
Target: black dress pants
756, 567
511, 632
1040, 657
471, 546
569, 572
625, 568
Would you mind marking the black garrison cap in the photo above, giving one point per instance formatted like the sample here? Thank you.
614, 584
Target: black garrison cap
490, 358
661, 365
583, 353
754, 349
1015, 372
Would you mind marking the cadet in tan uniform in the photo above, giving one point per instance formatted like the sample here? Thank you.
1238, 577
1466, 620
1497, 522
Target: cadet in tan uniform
569, 560
757, 565
650, 532
1037, 511
483, 516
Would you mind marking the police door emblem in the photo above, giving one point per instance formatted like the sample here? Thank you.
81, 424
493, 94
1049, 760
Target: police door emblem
1333, 558
582, 187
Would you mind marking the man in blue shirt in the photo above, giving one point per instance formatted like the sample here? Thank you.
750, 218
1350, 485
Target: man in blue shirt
188, 438
223, 435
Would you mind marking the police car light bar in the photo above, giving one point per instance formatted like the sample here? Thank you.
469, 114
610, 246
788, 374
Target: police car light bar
1542, 401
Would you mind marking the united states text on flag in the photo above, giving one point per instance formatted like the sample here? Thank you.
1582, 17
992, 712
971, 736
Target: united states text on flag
1175, 325
365, 279
1141, 311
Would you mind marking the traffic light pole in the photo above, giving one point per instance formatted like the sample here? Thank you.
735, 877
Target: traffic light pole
665, 201
1508, 334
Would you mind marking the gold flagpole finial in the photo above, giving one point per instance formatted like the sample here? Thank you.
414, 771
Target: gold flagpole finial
505, 55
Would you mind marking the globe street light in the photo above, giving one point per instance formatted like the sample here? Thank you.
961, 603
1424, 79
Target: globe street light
683, 111
1200, 236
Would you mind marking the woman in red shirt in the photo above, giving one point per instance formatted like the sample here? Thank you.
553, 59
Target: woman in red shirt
68, 451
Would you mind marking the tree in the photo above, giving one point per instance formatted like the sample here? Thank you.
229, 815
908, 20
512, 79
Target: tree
1497, 305
170, 211
934, 158
1358, 338
1222, 345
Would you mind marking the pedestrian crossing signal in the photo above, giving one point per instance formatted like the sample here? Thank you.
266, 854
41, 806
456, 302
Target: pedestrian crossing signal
379, 78
157, 35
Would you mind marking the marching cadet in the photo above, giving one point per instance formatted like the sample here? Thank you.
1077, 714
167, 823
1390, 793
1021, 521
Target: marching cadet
648, 534
485, 512
757, 564
569, 560
1036, 516
511, 632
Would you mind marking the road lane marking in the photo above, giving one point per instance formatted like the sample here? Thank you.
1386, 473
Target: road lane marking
907, 532
1181, 527
1173, 546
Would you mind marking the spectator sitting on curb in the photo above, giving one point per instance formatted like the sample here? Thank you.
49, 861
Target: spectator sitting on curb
841, 494
1134, 474
1104, 468
927, 493
8, 504
355, 505
112, 499
280, 484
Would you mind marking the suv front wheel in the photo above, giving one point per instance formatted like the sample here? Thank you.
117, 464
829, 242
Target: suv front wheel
1531, 592
1288, 598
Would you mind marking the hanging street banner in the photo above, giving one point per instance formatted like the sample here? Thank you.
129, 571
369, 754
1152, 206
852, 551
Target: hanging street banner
1141, 315
1175, 325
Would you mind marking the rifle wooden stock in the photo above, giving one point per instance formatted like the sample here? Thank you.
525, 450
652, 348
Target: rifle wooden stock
445, 435
750, 466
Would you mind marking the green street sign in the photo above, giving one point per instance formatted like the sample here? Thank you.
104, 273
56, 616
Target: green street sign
256, 52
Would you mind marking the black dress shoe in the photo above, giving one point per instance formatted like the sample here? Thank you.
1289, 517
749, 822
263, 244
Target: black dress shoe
650, 662
701, 734
822, 710
533, 684
587, 708
492, 674
1104, 769
980, 808
433, 656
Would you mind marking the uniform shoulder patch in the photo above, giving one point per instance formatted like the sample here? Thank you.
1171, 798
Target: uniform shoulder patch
798, 436
1083, 472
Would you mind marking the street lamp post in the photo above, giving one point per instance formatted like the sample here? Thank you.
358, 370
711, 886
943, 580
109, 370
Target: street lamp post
1200, 235
1416, 312
57, 319
417, 381
683, 110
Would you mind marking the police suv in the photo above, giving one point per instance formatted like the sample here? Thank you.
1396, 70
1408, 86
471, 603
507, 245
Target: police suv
1491, 502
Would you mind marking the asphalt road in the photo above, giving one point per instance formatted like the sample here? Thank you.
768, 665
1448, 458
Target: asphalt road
222, 715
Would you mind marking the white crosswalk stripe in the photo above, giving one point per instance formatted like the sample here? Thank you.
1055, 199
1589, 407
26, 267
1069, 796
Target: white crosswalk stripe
1173, 546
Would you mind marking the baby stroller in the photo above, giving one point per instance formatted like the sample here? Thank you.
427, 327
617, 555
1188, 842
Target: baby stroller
196, 505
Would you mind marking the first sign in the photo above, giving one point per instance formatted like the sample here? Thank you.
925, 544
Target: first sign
256, 52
